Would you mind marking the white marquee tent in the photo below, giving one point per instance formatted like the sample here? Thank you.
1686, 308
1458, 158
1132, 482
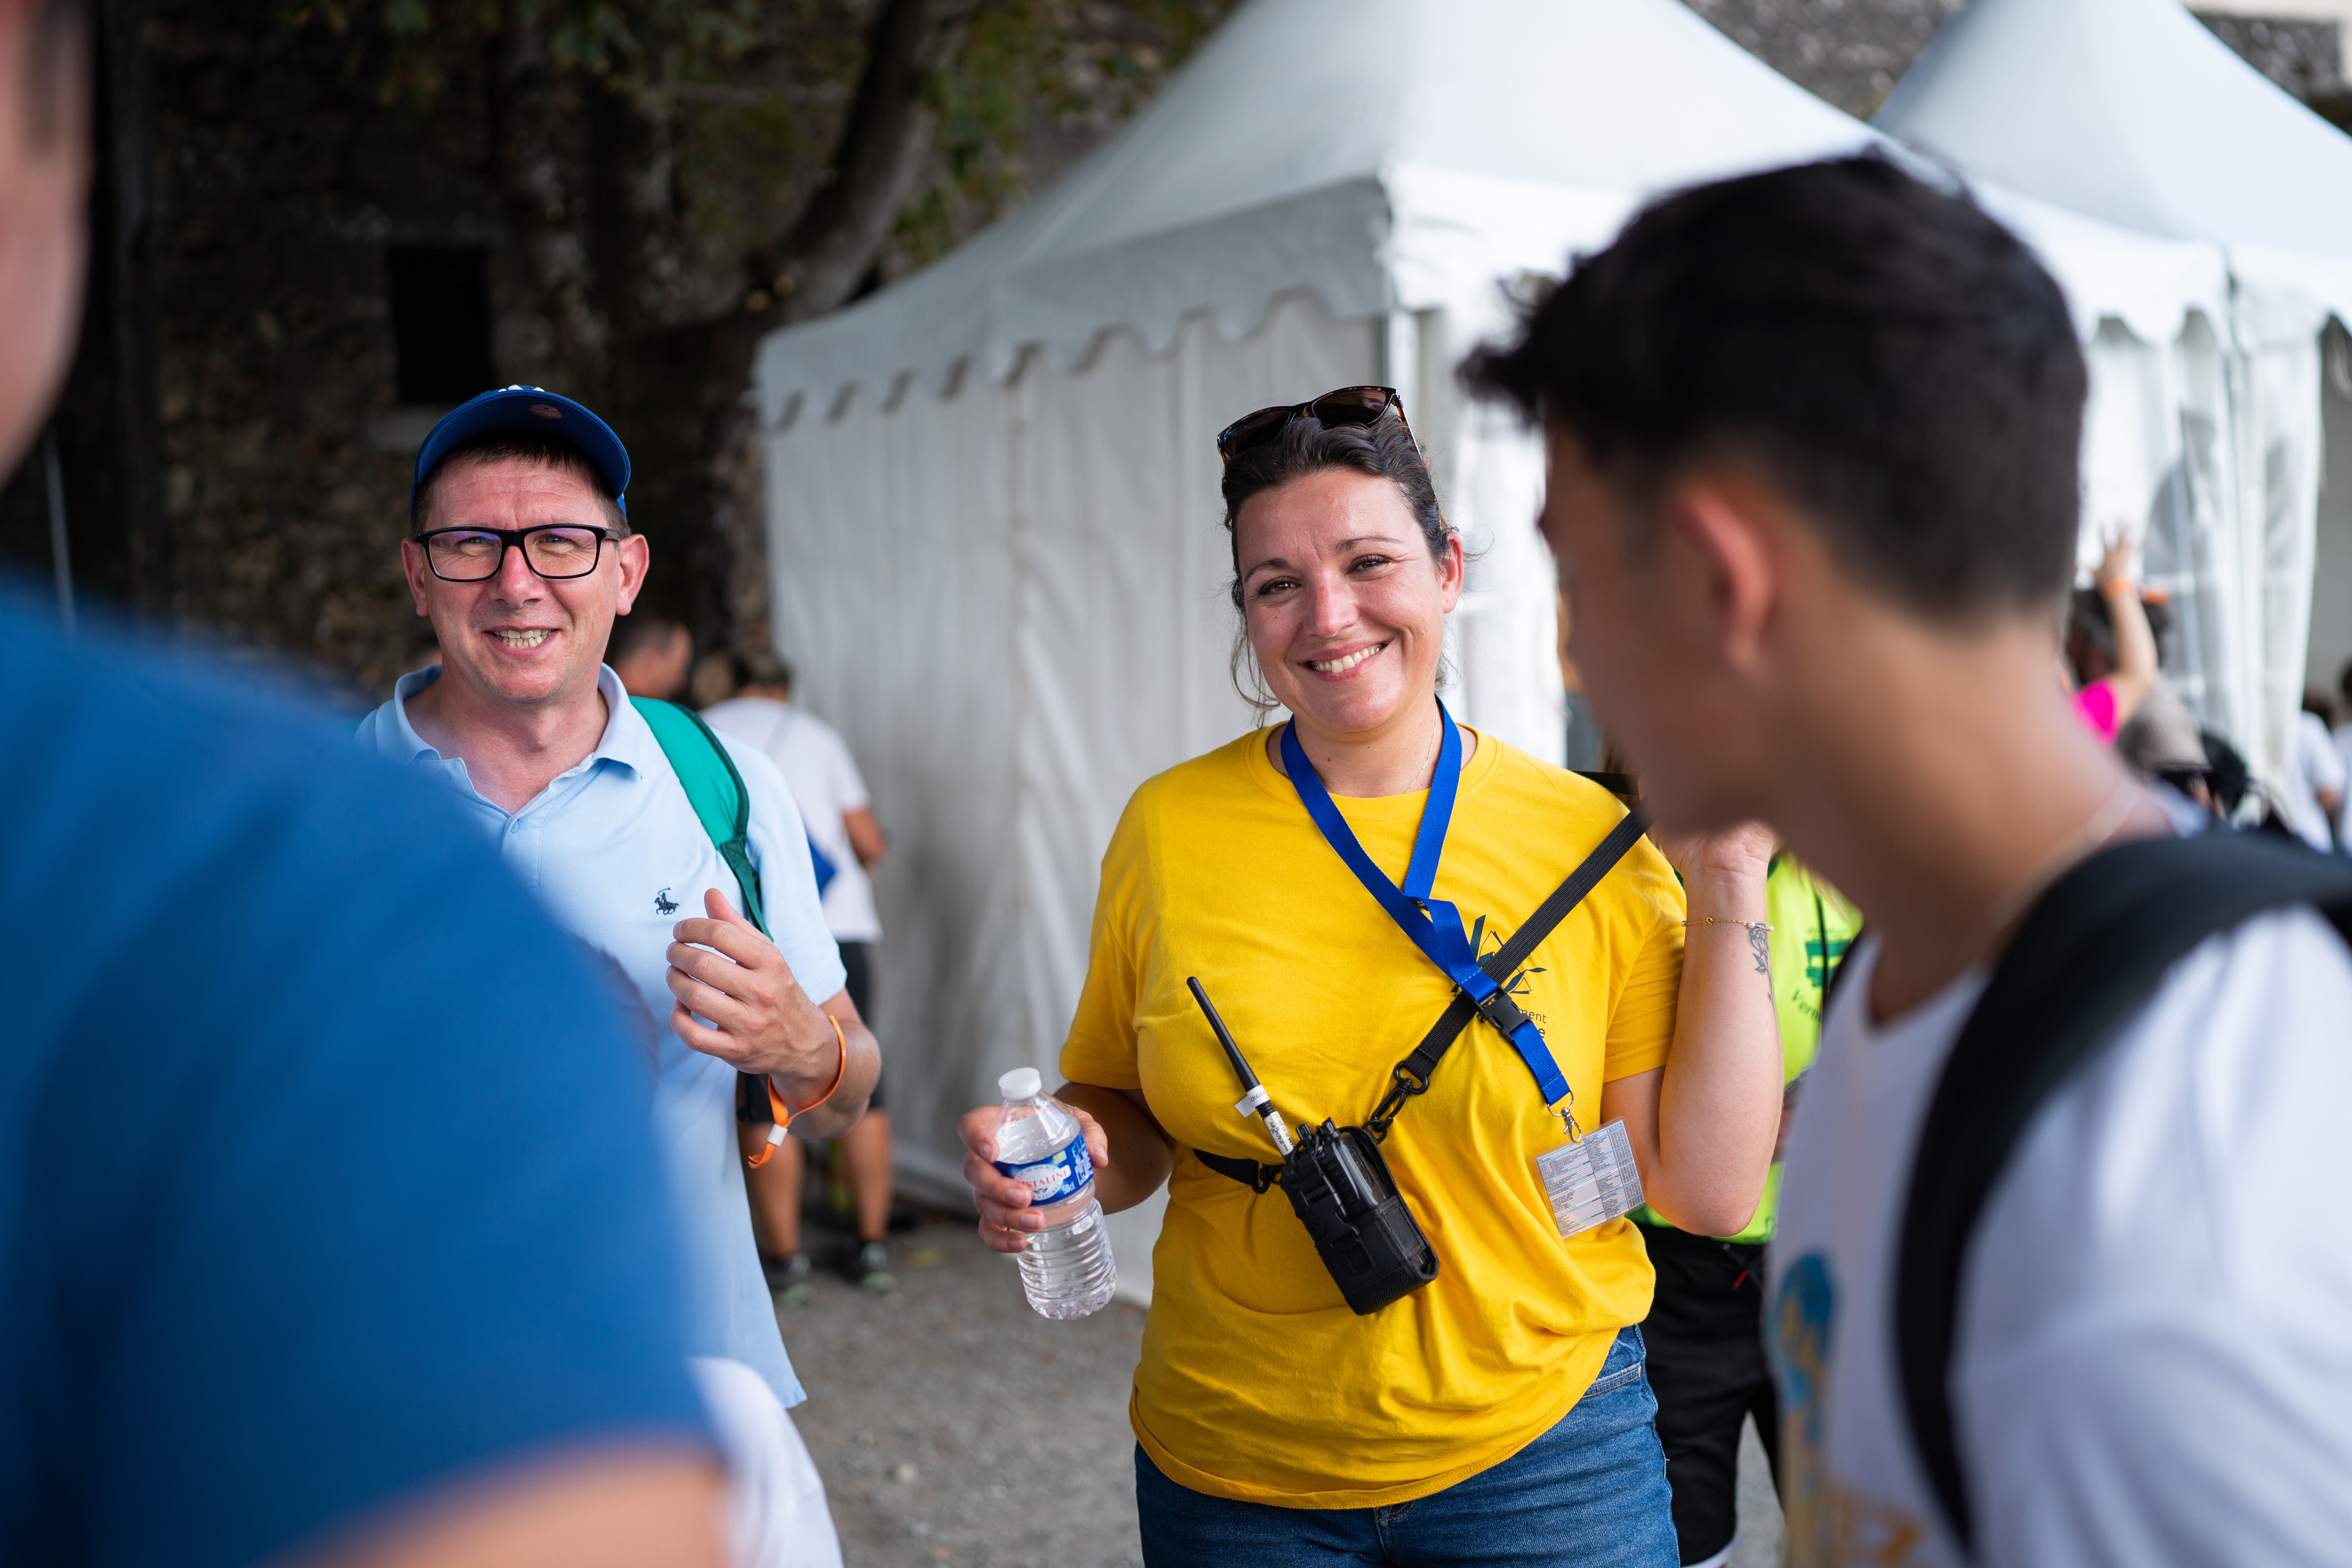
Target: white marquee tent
992, 489
2132, 111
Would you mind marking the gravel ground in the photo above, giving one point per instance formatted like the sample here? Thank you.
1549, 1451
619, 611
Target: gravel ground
1760, 1543
954, 1426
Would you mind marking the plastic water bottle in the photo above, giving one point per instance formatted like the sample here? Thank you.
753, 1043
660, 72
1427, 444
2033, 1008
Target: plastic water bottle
1068, 1271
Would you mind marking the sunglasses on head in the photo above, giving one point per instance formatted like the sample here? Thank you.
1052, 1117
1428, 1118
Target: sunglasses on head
1348, 405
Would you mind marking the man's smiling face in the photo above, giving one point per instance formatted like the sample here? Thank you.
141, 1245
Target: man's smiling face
517, 638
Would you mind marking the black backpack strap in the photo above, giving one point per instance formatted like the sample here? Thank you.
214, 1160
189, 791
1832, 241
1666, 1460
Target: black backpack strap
1410, 1076
2083, 963
1248, 1173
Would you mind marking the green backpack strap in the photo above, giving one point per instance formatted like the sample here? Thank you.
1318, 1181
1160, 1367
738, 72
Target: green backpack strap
713, 786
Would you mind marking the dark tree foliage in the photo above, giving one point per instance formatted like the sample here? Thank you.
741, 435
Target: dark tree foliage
634, 191
679, 178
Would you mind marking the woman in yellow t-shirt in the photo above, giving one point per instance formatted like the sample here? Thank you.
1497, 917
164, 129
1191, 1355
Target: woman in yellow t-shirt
1504, 1400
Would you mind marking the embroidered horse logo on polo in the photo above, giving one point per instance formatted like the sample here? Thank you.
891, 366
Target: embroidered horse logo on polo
664, 904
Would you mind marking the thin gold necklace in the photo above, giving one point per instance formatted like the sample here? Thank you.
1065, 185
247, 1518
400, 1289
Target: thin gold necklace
1426, 771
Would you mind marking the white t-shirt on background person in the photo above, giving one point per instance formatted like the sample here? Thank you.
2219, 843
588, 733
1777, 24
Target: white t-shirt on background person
2316, 765
825, 781
776, 1512
2152, 1362
2344, 755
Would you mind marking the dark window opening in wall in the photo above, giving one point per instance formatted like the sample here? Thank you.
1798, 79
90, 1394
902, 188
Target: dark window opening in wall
440, 321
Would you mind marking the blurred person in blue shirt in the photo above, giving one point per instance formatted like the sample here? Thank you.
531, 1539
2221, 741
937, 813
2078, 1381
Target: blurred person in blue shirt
296, 1265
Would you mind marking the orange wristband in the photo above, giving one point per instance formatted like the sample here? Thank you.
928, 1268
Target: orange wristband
785, 1113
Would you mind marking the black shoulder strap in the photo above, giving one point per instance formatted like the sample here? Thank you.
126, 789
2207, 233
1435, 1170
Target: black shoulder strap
713, 787
1248, 1173
2086, 959
1502, 963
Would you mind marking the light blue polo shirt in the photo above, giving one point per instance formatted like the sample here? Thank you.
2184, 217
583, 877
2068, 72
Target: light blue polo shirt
615, 851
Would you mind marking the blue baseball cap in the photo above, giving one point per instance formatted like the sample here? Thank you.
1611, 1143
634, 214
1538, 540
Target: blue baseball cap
541, 413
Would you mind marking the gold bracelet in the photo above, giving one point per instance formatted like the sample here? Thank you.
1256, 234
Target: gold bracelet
1712, 920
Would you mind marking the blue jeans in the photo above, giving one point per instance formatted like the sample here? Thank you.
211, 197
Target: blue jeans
1592, 1491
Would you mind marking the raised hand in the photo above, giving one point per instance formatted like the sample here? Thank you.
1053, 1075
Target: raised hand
761, 1020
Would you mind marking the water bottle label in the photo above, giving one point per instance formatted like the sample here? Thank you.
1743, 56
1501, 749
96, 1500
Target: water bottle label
1061, 1175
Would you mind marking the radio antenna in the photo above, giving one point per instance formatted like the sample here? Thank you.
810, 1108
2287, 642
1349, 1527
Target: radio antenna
1254, 1101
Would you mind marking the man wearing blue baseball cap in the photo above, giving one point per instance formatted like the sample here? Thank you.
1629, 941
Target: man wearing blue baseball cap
522, 553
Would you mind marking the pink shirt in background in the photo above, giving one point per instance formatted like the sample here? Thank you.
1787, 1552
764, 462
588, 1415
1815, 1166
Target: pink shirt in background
2096, 704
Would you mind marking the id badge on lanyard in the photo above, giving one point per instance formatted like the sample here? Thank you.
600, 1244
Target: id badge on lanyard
1590, 1179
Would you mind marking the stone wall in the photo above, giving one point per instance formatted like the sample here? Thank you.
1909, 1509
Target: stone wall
1853, 52
2304, 56
1849, 52
271, 476
280, 185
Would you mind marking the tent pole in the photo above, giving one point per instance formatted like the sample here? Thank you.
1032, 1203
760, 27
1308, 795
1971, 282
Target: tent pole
1400, 366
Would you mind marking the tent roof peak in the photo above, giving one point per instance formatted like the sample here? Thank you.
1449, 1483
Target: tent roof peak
2131, 111
1384, 155
1302, 115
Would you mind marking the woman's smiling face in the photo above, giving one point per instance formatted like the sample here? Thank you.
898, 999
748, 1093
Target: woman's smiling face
1342, 600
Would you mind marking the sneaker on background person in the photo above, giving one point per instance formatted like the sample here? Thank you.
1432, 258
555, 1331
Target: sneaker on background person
846, 844
788, 1273
1813, 440
871, 1269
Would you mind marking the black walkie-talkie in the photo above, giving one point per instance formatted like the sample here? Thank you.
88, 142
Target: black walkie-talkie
1341, 1191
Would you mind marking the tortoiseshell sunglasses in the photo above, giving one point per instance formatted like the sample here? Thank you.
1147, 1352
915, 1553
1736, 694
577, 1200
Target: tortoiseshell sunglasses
1348, 405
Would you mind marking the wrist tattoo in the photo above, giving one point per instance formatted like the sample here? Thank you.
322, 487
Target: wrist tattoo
1759, 944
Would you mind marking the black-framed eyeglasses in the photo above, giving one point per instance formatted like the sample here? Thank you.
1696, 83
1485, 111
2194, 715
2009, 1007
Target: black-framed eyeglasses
1347, 406
475, 554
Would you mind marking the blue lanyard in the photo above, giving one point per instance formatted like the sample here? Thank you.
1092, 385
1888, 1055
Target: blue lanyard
1435, 925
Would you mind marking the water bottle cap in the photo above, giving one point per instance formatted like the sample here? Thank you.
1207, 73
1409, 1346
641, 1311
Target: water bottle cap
1021, 1083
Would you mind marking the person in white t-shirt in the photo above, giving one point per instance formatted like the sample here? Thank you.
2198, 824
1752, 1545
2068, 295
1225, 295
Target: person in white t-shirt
845, 843
2342, 737
2314, 785
1813, 484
